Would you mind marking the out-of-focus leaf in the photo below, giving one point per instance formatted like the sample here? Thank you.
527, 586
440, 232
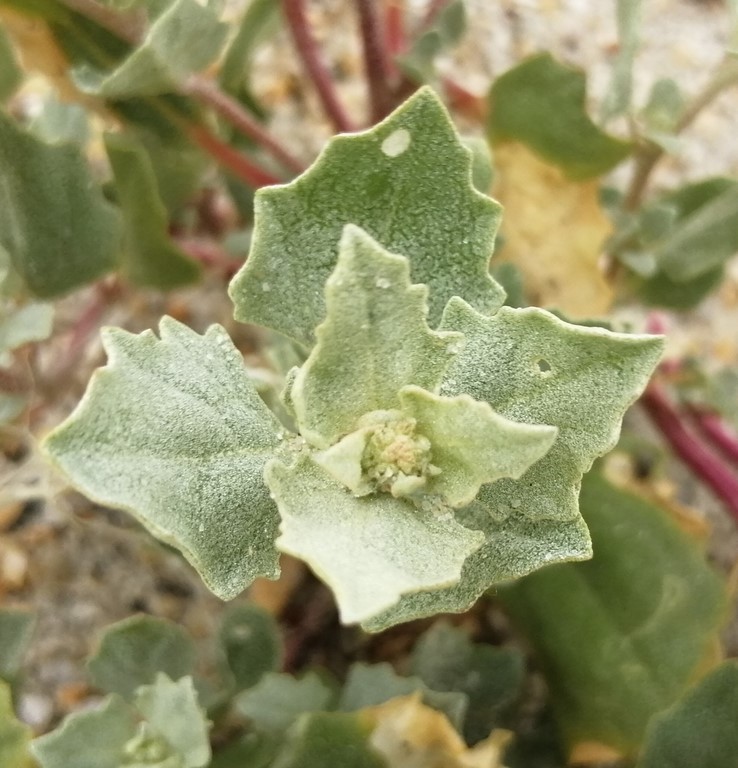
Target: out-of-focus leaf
617, 98
702, 241
699, 731
511, 279
184, 39
368, 685
251, 645
620, 637
28, 323
173, 713
255, 750
446, 660
150, 258
259, 22
410, 735
58, 122
660, 290
329, 740
412, 164
15, 737
16, 628
553, 231
174, 431
277, 700
92, 739
661, 114
445, 32
541, 103
132, 652
10, 73
54, 223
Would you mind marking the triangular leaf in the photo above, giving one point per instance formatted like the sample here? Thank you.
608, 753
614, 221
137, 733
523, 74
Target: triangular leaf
279, 699
407, 182
369, 550
471, 444
541, 103
150, 258
173, 431
173, 713
368, 297
132, 652
184, 39
58, 230
94, 739
534, 368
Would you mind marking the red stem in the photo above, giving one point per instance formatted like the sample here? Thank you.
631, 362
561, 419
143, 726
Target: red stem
294, 12
690, 449
209, 254
207, 91
717, 432
376, 61
394, 33
236, 162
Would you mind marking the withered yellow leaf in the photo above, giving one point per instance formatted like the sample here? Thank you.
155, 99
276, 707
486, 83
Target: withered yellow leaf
553, 230
410, 734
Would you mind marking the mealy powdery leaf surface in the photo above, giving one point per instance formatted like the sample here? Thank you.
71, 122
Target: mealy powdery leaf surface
407, 182
173, 431
369, 550
532, 367
374, 341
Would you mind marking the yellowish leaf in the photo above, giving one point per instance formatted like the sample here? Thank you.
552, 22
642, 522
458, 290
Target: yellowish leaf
410, 734
553, 230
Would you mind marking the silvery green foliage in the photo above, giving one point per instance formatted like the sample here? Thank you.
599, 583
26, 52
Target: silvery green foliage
427, 464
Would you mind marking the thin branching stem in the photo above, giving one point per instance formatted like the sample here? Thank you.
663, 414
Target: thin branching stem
294, 12
688, 446
376, 61
648, 156
207, 91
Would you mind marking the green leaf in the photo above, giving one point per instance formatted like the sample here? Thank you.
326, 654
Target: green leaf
92, 739
445, 32
617, 99
368, 685
132, 652
471, 444
54, 223
368, 298
16, 628
661, 114
25, 324
329, 740
150, 258
59, 122
250, 641
369, 550
532, 367
492, 678
173, 431
702, 241
407, 182
10, 73
172, 711
278, 699
541, 103
184, 39
259, 22
15, 737
620, 637
482, 171
699, 731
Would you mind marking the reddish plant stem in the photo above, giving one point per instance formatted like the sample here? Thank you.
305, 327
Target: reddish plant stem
294, 12
207, 92
394, 34
691, 450
717, 432
376, 62
209, 254
236, 162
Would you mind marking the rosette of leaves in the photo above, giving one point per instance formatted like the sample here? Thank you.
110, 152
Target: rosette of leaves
438, 439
